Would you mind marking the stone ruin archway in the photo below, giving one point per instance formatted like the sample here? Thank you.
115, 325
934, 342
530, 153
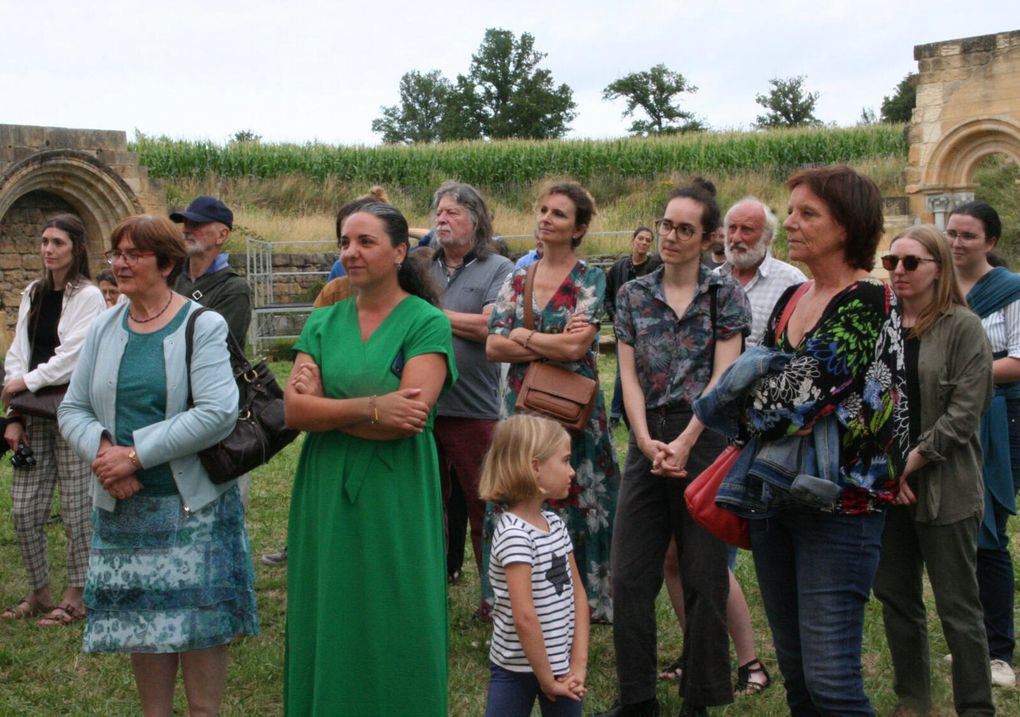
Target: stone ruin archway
968, 107
97, 194
45, 170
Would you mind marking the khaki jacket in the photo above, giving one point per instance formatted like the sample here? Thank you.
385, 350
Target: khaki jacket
954, 369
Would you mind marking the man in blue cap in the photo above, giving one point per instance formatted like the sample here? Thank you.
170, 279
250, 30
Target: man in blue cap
207, 278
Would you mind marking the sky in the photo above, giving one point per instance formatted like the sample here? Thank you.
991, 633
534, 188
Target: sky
305, 70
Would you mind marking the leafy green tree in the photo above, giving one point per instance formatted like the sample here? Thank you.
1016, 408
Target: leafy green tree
788, 104
418, 118
506, 94
246, 136
655, 92
900, 106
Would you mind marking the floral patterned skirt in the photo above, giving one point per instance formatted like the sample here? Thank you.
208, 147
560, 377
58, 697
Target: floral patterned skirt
161, 580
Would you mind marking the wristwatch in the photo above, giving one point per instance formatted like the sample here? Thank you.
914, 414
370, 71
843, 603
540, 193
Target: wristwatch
133, 457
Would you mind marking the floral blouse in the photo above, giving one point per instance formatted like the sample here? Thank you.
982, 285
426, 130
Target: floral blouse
673, 355
850, 364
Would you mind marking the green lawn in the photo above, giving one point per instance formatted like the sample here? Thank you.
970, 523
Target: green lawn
43, 671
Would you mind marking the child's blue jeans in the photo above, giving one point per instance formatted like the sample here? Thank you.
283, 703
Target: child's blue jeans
512, 694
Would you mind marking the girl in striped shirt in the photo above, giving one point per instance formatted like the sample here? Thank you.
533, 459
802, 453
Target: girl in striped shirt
540, 619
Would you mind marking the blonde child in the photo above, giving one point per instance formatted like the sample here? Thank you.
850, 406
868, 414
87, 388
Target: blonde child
540, 619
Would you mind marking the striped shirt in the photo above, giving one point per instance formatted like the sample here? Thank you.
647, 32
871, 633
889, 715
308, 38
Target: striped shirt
1003, 329
763, 291
517, 541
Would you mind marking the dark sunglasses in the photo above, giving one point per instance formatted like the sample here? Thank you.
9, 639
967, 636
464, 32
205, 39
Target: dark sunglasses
910, 262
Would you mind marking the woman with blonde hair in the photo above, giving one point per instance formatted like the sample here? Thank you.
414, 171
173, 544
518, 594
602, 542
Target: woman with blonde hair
934, 524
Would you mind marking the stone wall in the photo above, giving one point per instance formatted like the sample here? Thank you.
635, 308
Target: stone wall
47, 170
968, 107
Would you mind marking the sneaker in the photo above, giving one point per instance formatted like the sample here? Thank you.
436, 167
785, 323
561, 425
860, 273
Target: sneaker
275, 560
1002, 674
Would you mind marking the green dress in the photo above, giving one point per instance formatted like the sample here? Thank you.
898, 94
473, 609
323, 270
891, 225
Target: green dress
366, 606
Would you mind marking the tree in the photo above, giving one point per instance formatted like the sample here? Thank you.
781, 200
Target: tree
246, 136
512, 96
655, 91
418, 118
504, 94
900, 106
867, 117
788, 104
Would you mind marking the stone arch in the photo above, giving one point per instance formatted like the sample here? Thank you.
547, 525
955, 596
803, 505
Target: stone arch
967, 108
958, 152
97, 193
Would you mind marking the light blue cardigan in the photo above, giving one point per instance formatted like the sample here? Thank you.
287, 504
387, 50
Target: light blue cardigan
89, 409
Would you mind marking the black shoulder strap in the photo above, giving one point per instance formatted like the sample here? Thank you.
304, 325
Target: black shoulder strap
713, 290
238, 361
197, 294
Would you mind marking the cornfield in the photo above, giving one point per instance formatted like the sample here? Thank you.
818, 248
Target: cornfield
520, 162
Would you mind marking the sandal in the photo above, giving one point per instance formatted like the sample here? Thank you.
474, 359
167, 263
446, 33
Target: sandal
62, 615
24, 610
673, 671
745, 685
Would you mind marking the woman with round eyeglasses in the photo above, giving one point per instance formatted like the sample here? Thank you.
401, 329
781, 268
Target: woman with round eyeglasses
993, 293
55, 311
934, 522
678, 329
170, 578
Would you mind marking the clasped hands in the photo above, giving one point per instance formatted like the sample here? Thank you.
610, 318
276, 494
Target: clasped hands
668, 459
399, 410
115, 470
570, 685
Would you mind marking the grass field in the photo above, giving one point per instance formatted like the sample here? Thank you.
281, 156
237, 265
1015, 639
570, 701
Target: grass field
43, 671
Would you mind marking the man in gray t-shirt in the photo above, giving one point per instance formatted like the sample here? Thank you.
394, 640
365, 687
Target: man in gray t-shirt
469, 274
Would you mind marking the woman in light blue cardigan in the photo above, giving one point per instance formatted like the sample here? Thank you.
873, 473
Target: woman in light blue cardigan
170, 578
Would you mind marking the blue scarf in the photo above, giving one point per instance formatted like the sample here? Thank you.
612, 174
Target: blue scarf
996, 289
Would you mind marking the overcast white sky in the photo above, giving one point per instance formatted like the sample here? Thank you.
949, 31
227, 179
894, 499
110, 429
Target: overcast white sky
304, 70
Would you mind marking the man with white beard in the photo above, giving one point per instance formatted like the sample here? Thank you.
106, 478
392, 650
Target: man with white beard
749, 229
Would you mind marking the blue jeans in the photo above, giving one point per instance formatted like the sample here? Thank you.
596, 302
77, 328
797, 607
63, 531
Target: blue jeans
512, 694
815, 571
616, 407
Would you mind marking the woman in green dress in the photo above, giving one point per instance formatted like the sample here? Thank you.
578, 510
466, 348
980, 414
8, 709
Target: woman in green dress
366, 607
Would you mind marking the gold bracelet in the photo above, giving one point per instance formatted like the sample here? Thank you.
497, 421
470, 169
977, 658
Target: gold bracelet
373, 410
528, 340
133, 457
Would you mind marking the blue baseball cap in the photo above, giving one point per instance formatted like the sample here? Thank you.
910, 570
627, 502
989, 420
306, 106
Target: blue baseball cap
203, 210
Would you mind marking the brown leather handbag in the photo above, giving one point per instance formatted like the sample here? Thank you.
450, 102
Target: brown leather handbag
550, 390
43, 403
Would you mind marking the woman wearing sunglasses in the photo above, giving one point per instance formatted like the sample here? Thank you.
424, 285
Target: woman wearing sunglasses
993, 293
934, 523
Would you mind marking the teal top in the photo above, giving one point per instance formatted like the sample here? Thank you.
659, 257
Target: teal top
141, 397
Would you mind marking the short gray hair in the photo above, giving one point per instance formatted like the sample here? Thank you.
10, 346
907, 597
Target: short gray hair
771, 221
468, 197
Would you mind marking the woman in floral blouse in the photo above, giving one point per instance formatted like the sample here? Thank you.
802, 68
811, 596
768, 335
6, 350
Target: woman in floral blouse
815, 567
678, 328
567, 301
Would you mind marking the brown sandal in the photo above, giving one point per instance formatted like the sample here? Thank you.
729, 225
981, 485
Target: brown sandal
62, 615
24, 610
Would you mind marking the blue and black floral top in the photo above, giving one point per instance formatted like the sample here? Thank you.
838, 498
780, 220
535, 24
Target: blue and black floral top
851, 364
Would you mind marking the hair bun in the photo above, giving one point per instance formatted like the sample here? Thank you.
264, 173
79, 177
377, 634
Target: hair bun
704, 184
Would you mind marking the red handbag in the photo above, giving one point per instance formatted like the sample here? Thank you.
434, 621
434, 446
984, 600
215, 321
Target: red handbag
700, 498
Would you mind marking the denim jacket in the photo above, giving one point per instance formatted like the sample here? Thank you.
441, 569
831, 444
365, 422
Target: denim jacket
768, 473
